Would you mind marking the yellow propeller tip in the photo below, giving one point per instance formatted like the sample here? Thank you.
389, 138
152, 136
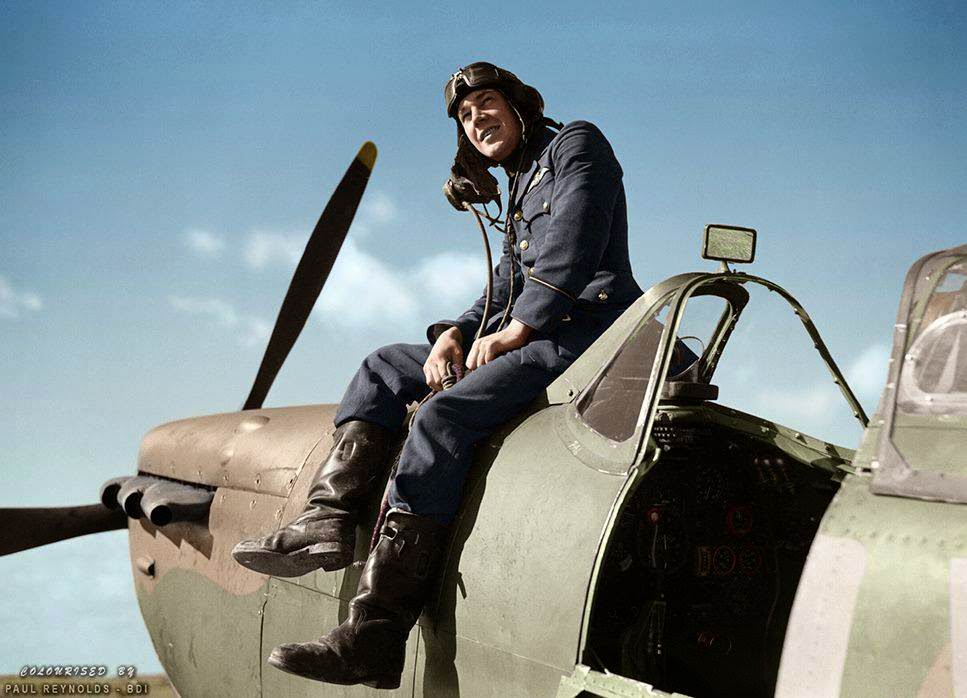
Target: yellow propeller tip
367, 155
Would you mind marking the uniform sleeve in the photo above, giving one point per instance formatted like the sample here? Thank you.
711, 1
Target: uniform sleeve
587, 182
469, 321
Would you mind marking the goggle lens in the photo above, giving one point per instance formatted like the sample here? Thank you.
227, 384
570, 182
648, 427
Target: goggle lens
471, 76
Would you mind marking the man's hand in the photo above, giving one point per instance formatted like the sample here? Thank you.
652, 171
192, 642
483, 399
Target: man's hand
488, 348
446, 348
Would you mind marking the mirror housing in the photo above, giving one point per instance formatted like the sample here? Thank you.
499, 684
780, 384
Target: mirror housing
728, 243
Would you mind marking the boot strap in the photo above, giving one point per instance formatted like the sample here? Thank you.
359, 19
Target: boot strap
421, 564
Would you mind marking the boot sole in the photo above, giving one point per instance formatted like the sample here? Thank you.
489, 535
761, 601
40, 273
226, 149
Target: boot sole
326, 556
381, 682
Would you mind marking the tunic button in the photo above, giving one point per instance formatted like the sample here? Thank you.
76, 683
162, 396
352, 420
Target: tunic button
547, 206
518, 215
524, 244
602, 296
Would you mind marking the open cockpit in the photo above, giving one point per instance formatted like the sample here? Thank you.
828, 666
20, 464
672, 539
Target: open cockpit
702, 563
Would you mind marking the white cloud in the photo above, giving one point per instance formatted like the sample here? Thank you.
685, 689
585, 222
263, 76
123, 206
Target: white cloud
817, 405
250, 330
263, 249
867, 374
450, 278
204, 243
13, 301
378, 208
363, 291
255, 332
220, 312
266, 248
31, 301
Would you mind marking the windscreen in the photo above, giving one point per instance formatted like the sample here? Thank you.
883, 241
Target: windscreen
933, 377
613, 404
922, 451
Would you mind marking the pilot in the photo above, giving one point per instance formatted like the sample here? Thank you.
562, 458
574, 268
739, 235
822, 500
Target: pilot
563, 278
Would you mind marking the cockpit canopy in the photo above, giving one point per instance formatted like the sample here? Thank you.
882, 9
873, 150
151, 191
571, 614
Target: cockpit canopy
921, 449
933, 377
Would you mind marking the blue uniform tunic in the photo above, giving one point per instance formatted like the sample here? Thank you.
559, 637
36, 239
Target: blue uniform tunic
568, 252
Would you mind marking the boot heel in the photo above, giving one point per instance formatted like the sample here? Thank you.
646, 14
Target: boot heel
330, 547
330, 556
384, 682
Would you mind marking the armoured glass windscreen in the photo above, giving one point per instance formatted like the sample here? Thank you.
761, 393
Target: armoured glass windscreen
702, 316
612, 405
933, 377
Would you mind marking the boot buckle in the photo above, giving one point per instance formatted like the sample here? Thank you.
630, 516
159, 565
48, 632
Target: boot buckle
391, 533
346, 449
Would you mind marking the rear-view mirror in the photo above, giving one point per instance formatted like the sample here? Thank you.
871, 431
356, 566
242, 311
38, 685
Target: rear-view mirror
728, 243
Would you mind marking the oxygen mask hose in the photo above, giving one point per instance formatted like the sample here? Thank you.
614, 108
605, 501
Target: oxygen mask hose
490, 272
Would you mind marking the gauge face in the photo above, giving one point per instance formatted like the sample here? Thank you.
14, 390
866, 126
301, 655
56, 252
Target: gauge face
723, 560
703, 561
750, 560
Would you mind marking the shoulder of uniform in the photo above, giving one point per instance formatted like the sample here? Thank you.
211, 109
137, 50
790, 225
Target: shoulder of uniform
579, 132
581, 126
581, 139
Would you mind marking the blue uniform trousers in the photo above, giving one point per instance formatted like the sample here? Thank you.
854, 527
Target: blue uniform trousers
439, 448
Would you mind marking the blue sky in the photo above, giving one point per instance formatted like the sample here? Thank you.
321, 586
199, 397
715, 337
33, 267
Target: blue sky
161, 165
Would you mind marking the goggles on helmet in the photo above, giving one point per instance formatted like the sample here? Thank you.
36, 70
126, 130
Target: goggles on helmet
474, 76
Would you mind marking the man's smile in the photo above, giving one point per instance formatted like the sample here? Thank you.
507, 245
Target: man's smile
489, 131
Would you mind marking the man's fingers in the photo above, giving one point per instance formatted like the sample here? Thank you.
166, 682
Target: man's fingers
437, 374
483, 353
432, 377
494, 349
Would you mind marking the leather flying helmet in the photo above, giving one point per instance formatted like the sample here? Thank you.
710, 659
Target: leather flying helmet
479, 75
470, 181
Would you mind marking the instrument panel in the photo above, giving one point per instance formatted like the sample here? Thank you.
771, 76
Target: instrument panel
703, 563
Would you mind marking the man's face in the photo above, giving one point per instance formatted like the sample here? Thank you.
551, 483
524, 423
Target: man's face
490, 123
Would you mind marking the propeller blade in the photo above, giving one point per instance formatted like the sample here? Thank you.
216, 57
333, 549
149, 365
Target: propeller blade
313, 270
22, 528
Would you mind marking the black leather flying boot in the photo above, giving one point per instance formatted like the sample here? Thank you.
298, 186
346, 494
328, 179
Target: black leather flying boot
370, 646
324, 535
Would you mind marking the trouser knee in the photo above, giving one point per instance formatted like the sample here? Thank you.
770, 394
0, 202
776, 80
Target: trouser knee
442, 418
382, 357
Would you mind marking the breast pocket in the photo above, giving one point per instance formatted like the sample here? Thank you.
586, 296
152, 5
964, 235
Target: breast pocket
537, 199
536, 207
